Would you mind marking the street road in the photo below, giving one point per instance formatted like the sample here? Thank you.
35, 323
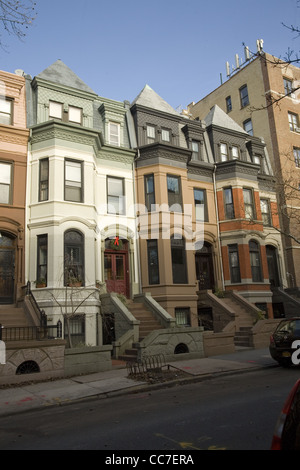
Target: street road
236, 412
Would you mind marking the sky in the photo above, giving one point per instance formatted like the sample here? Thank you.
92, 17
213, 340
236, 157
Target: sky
178, 48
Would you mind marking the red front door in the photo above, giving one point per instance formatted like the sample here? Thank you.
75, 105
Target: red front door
116, 272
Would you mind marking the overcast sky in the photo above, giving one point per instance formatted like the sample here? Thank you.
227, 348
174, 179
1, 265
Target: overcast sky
179, 48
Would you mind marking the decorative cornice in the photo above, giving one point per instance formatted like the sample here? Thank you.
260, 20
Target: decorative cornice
159, 150
64, 131
14, 135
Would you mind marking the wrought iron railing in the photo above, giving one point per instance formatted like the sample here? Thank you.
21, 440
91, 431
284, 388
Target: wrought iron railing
30, 333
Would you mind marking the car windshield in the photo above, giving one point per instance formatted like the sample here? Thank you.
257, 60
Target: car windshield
289, 326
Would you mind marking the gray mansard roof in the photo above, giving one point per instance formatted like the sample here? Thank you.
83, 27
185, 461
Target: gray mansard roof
150, 99
60, 73
219, 118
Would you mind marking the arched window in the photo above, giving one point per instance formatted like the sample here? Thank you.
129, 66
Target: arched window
254, 250
73, 258
178, 254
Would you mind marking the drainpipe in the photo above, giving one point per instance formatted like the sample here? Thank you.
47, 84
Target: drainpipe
218, 228
137, 241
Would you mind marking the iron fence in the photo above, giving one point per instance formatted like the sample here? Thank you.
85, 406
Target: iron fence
30, 333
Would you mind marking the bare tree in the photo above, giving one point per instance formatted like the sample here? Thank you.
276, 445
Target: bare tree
16, 16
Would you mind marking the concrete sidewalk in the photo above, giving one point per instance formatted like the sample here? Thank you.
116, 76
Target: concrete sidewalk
114, 382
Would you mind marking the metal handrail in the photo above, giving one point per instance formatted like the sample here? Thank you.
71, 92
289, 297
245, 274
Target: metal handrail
41, 313
30, 333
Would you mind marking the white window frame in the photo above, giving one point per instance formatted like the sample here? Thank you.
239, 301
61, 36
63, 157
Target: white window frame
55, 110
5, 182
6, 111
114, 133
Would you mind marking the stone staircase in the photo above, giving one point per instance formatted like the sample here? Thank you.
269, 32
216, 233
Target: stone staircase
12, 316
243, 322
148, 323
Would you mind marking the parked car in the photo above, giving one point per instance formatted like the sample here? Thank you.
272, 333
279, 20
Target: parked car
287, 430
281, 341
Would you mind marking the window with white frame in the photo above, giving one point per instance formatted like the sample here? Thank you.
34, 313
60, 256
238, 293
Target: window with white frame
55, 110
224, 152
150, 134
165, 135
114, 133
195, 150
75, 114
248, 203
115, 195
6, 108
265, 211
293, 121
73, 181
5, 182
235, 152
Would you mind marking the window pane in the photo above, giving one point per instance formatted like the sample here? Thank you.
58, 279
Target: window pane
114, 133
4, 194
165, 135
5, 173
235, 152
75, 114
5, 106
55, 110
151, 132
182, 316
153, 268
178, 261
244, 96
115, 186
73, 171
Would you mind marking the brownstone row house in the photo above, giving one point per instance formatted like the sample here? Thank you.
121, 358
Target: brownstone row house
262, 96
13, 163
142, 199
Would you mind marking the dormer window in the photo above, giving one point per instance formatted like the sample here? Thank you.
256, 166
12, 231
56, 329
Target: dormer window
150, 134
235, 153
224, 152
165, 135
114, 133
195, 150
55, 110
75, 114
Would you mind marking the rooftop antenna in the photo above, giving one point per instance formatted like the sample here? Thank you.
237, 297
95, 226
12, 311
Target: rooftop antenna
259, 45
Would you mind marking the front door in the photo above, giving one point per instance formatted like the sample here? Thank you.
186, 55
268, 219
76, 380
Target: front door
204, 268
7, 269
116, 272
272, 266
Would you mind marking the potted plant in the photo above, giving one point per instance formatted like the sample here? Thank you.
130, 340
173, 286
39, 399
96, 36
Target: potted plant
41, 282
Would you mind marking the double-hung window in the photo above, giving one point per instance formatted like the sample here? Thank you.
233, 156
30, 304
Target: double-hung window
165, 135
228, 203
244, 96
174, 193
73, 181
55, 110
115, 195
75, 114
114, 133
150, 134
293, 122
248, 204
254, 250
248, 127
235, 155
234, 264
149, 192
288, 86
224, 152
178, 254
42, 258
44, 180
195, 150
296, 152
6, 108
200, 205
265, 212
5, 182
228, 104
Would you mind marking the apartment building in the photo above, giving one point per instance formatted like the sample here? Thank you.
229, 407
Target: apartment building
262, 96
13, 165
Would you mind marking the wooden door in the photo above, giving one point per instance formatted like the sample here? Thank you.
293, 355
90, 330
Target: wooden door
7, 269
115, 273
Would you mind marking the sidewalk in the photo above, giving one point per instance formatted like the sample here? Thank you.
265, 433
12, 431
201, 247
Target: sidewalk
114, 382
